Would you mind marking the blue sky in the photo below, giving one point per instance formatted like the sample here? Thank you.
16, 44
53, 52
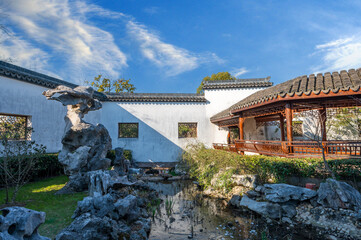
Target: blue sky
169, 46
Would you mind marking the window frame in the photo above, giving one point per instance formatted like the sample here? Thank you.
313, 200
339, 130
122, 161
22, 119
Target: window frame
123, 123
196, 130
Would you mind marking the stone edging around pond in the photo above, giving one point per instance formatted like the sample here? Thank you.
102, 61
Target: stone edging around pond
335, 207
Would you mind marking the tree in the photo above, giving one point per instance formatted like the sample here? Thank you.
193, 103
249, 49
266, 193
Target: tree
106, 85
18, 156
215, 77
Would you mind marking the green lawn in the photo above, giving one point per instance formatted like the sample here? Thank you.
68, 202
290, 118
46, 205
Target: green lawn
40, 196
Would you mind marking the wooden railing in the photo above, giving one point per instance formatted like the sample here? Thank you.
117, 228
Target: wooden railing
294, 149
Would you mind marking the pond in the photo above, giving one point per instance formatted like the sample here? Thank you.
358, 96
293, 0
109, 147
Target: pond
185, 213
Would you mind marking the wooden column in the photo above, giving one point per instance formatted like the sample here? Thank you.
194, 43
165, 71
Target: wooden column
241, 131
323, 119
282, 126
288, 112
240, 125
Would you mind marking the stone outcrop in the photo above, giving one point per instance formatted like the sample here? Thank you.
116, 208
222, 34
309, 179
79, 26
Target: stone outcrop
101, 181
84, 145
267, 209
334, 209
115, 215
280, 193
121, 164
336, 194
18, 223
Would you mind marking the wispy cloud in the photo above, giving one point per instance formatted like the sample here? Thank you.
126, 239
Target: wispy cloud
151, 10
63, 27
239, 71
18, 51
174, 60
343, 53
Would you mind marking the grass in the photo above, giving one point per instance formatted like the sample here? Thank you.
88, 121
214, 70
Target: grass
40, 196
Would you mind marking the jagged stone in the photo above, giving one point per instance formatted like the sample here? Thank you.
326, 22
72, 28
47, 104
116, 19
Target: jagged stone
280, 193
266, 209
336, 194
248, 180
84, 145
125, 205
88, 226
121, 164
18, 223
235, 200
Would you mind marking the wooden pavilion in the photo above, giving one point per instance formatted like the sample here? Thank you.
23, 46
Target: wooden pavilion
280, 102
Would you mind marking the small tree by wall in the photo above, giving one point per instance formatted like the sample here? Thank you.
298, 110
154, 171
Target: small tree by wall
17, 157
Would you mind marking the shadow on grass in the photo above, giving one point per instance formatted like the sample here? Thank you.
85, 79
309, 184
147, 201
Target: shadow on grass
40, 196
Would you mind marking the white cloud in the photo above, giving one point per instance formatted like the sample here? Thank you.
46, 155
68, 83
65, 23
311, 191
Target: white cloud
239, 71
63, 27
151, 10
172, 59
18, 51
343, 53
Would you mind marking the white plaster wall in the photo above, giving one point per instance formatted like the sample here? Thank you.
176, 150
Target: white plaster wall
158, 128
47, 117
219, 100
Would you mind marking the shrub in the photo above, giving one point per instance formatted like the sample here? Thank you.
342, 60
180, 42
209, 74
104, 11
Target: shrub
206, 163
44, 166
127, 154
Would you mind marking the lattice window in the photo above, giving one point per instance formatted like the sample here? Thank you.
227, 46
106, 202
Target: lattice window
297, 128
14, 127
187, 130
128, 130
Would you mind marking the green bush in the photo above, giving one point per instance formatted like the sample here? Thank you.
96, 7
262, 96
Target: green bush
127, 154
205, 163
45, 165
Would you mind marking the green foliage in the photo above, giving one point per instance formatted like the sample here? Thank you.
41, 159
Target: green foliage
106, 85
206, 163
126, 153
44, 166
215, 77
40, 196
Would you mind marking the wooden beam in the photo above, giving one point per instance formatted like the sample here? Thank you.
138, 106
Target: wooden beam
282, 127
288, 112
323, 119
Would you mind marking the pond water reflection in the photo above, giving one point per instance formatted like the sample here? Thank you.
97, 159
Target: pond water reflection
186, 214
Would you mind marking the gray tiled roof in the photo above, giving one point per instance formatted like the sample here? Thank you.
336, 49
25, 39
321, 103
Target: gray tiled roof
238, 83
336, 81
155, 97
26, 75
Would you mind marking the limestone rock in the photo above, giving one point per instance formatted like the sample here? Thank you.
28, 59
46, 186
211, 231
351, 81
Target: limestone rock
121, 164
84, 145
248, 180
336, 194
280, 193
266, 209
88, 226
125, 205
99, 182
18, 223
235, 200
